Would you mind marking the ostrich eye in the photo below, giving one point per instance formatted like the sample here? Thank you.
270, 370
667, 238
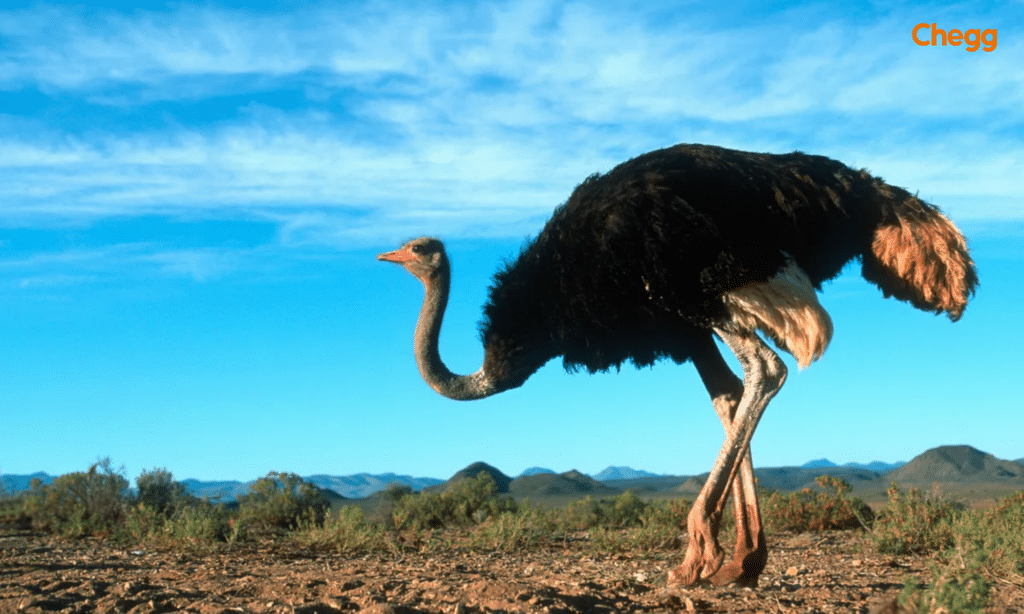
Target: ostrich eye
417, 249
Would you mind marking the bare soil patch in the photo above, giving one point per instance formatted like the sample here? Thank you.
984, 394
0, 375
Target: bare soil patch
819, 572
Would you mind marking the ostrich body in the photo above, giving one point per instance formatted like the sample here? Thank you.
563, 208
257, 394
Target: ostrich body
666, 251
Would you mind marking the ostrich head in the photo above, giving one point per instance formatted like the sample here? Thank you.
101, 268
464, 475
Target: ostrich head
425, 258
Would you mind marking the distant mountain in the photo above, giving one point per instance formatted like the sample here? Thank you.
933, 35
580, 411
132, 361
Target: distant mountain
18, 483
815, 464
876, 466
788, 479
623, 473
568, 483
944, 464
954, 464
349, 486
473, 470
357, 486
362, 485
221, 491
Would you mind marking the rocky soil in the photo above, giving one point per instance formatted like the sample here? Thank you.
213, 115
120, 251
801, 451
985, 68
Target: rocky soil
821, 572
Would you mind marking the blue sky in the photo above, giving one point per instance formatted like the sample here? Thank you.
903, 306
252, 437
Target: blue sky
191, 198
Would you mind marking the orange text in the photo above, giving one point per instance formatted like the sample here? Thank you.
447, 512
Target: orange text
974, 38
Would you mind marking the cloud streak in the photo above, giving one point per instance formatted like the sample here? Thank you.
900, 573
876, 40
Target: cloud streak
356, 124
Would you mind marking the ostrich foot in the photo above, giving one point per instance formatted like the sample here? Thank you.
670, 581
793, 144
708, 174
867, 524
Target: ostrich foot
743, 570
703, 555
750, 556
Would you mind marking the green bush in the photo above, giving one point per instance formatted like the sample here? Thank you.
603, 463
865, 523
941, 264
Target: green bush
78, 504
968, 548
815, 511
468, 502
346, 531
387, 499
164, 515
960, 593
621, 512
158, 491
280, 501
195, 523
992, 540
913, 523
510, 531
637, 525
983, 547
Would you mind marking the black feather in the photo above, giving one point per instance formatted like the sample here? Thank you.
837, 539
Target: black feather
633, 266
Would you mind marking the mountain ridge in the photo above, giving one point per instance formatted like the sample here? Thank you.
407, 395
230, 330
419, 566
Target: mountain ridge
955, 463
878, 466
942, 463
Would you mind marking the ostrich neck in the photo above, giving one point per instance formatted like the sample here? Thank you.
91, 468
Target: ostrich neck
428, 330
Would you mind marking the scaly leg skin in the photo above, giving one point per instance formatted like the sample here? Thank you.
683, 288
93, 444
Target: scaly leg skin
725, 390
764, 374
751, 553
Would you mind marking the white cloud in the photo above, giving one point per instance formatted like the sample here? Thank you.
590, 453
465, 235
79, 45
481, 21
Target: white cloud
87, 265
476, 121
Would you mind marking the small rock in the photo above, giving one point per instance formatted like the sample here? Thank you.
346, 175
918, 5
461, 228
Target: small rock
792, 571
640, 576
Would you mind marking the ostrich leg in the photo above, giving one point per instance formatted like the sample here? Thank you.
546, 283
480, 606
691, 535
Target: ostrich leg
751, 552
764, 373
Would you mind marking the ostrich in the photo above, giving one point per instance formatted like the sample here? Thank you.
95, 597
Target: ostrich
666, 251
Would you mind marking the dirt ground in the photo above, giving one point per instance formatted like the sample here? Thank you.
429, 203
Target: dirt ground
821, 572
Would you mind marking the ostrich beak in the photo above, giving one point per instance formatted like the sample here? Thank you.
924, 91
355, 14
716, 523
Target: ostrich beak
399, 256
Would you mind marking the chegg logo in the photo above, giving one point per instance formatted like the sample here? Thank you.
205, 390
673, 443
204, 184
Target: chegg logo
974, 38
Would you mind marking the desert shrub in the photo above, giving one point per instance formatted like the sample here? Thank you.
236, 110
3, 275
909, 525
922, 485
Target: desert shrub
625, 510
621, 512
387, 499
972, 549
915, 523
10, 506
81, 503
991, 540
986, 546
959, 592
346, 531
578, 515
468, 502
196, 522
668, 513
158, 491
511, 530
279, 501
656, 526
165, 515
10, 509
815, 511
202, 523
